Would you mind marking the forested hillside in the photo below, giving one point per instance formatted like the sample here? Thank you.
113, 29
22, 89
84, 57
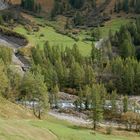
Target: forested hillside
75, 60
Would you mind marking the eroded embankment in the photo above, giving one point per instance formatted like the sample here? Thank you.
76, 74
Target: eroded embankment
15, 41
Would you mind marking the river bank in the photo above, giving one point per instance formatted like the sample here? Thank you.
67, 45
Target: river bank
20, 62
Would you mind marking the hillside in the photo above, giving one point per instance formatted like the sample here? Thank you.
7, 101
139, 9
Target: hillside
69, 70
23, 130
18, 123
14, 124
11, 110
45, 4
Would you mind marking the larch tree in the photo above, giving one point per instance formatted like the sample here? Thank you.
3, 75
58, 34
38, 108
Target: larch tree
96, 105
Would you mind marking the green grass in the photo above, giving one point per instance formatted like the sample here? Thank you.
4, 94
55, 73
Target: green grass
22, 130
54, 38
50, 129
66, 131
114, 25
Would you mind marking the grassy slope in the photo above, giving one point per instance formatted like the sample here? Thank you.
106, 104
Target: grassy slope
22, 130
54, 38
114, 25
17, 123
66, 131
11, 110
51, 129
14, 124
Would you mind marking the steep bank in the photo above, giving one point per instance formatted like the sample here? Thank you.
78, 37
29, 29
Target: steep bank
15, 41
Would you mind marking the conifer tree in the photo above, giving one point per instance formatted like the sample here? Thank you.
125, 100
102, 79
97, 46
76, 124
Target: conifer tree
54, 92
113, 102
126, 5
76, 75
96, 105
87, 94
125, 104
3, 78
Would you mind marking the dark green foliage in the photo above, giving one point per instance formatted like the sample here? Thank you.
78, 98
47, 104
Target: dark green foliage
97, 105
33, 88
58, 8
77, 3
3, 78
1, 19
31, 5
127, 5
78, 19
96, 33
125, 75
6, 54
137, 6
125, 104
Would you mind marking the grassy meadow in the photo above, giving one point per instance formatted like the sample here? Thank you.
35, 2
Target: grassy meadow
50, 129
54, 38
47, 33
113, 25
18, 123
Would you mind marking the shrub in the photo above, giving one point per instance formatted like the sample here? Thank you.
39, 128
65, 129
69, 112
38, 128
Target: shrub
109, 130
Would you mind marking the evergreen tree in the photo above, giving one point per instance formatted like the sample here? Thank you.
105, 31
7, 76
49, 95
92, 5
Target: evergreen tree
94, 3
78, 20
137, 6
87, 94
113, 102
126, 5
96, 105
54, 92
80, 98
77, 3
127, 48
125, 104
89, 75
76, 75
3, 79
33, 88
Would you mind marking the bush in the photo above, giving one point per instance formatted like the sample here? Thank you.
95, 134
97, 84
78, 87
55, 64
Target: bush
109, 130
1, 19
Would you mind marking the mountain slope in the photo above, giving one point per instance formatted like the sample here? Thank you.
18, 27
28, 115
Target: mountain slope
45, 4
